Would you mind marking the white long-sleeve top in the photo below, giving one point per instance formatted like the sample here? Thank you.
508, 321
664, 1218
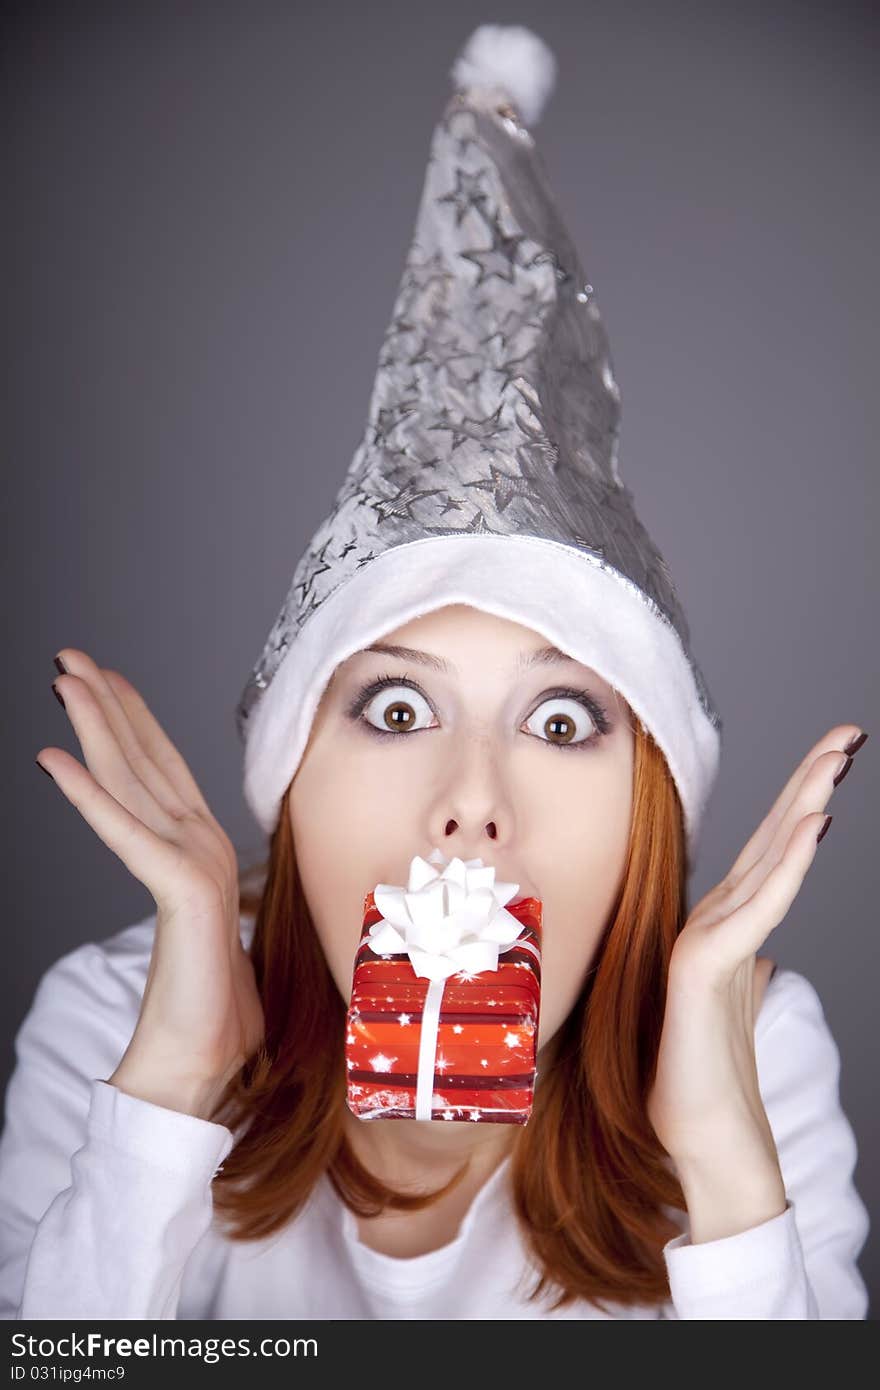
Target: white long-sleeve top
106, 1207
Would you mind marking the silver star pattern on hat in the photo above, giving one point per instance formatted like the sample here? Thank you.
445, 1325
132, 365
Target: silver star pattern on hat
494, 409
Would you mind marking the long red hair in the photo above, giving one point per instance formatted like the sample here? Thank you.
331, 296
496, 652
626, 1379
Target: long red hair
589, 1176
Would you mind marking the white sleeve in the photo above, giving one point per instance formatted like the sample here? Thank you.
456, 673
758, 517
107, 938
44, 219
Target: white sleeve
801, 1264
103, 1197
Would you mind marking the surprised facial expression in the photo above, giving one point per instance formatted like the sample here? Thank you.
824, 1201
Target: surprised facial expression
481, 741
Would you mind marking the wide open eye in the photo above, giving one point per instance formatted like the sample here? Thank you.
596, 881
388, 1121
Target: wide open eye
562, 722
396, 709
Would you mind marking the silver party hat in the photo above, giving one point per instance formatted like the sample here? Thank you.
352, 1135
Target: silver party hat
488, 472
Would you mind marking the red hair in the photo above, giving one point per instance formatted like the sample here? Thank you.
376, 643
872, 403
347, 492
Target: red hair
589, 1176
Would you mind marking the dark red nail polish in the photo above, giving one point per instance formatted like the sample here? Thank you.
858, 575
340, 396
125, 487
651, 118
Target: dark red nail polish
43, 769
855, 743
61, 666
58, 697
843, 771
824, 830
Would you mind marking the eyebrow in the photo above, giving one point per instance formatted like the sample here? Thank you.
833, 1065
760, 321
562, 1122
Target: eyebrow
525, 661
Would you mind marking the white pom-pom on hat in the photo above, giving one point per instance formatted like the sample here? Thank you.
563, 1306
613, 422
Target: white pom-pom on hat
511, 57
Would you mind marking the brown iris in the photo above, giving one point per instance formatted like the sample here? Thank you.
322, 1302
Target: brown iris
400, 715
552, 726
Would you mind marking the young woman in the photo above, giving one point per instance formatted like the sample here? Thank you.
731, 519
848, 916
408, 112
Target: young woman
734, 1077
515, 687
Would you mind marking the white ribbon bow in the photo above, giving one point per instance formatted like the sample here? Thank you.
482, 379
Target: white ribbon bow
445, 921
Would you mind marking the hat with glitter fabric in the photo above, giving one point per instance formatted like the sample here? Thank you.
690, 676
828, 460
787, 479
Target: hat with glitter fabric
488, 471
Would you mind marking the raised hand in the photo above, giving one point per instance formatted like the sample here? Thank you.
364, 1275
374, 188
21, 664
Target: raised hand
201, 1016
705, 1104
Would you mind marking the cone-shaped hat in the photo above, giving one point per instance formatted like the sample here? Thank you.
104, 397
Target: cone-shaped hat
488, 472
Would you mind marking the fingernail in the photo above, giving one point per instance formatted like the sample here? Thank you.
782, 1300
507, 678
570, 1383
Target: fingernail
58, 696
843, 770
61, 666
824, 830
855, 743
43, 769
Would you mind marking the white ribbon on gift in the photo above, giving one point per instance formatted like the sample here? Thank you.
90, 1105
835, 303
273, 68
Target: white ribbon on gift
446, 921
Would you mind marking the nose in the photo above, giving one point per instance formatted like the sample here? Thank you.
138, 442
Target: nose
474, 815
472, 811
469, 837
453, 830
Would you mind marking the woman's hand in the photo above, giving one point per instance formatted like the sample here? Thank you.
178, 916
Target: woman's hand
705, 1104
201, 1015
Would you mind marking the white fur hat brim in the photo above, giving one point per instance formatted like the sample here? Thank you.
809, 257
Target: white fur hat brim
583, 607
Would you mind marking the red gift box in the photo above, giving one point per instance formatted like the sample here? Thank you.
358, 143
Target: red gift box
486, 1044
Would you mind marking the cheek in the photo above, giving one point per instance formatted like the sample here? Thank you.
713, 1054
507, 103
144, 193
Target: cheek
568, 951
323, 818
579, 860
352, 827
358, 798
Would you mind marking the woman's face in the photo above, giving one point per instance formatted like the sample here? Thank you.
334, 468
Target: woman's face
484, 745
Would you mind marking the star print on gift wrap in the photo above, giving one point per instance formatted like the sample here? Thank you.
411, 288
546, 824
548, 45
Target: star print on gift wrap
380, 1062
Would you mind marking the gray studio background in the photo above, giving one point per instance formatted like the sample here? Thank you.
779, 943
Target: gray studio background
206, 214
